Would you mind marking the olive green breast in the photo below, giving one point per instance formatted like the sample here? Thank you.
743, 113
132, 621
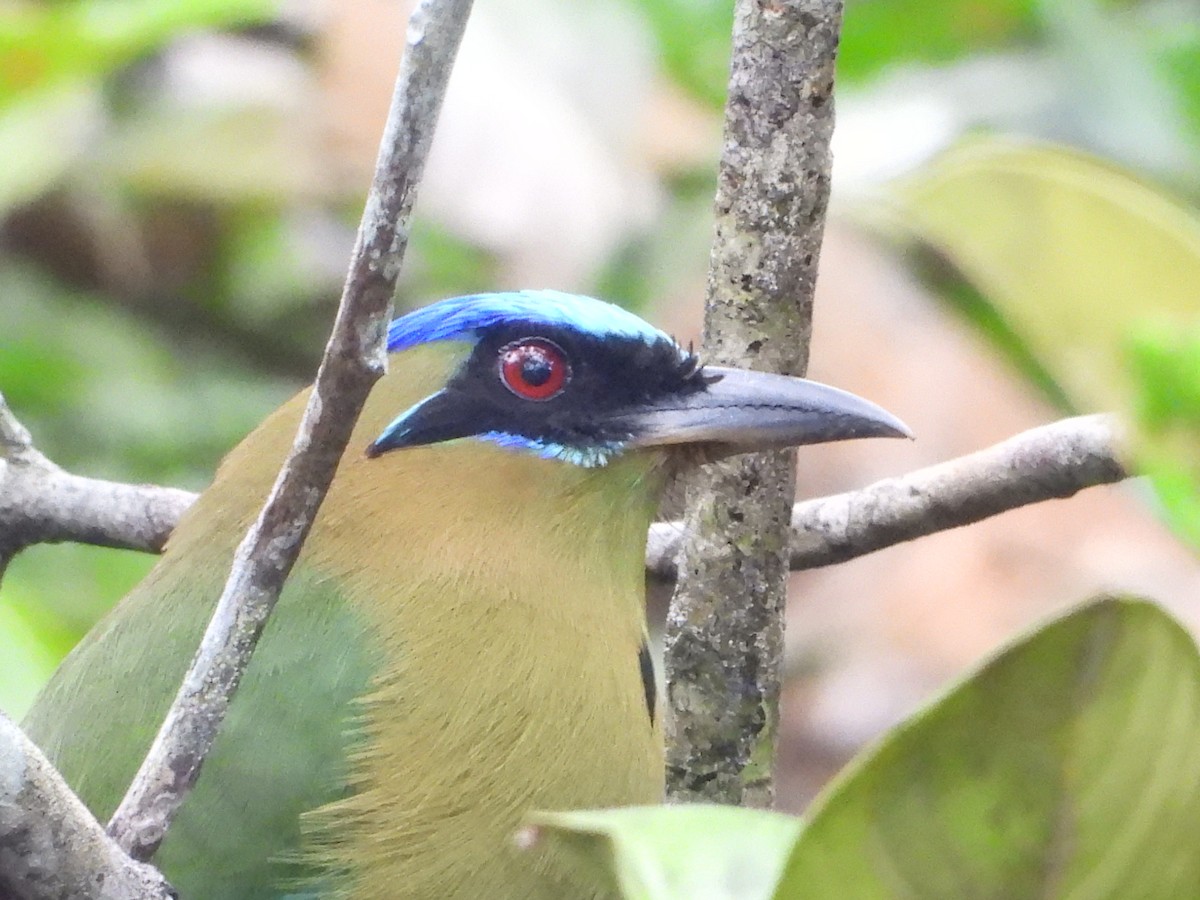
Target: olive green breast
459, 644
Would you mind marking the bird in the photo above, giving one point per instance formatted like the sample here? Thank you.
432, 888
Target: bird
462, 640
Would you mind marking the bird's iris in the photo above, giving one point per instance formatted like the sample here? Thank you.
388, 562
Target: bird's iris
534, 368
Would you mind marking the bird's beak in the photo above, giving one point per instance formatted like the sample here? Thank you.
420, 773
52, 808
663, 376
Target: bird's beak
740, 411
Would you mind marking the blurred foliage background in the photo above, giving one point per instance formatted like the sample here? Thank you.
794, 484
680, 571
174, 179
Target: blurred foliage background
1015, 236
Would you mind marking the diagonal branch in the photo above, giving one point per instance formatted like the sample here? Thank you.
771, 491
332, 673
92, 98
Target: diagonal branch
1045, 463
354, 359
1052, 461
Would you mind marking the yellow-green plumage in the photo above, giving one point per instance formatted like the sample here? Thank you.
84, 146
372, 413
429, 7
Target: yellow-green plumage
461, 641
429, 675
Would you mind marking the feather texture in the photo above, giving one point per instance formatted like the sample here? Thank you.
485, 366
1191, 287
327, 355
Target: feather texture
463, 318
458, 645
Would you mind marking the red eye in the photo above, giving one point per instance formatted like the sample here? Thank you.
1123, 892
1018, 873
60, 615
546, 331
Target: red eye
534, 369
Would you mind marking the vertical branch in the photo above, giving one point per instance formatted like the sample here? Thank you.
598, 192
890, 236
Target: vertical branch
725, 629
354, 359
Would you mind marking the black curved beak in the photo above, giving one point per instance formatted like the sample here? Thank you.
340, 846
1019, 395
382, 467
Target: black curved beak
740, 411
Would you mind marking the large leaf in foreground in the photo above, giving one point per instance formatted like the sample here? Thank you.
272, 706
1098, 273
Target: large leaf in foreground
692, 852
1069, 766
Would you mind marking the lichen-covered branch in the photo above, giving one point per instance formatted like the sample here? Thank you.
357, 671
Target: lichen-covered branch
1045, 463
354, 359
724, 637
51, 848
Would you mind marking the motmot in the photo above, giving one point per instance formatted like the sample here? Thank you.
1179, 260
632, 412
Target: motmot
463, 638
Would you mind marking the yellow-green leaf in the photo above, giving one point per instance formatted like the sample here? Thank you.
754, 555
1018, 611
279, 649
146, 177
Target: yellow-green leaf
1071, 250
692, 852
1069, 766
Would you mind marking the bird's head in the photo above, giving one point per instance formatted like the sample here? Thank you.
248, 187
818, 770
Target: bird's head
583, 382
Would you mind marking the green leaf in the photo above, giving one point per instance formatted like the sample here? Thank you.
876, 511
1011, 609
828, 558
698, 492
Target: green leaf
693, 40
878, 33
1068, 260
51, 59
1164, 363
1180, 64
693, 36
692, 852
1070, 250
1176, 482
1068, 766
42, 45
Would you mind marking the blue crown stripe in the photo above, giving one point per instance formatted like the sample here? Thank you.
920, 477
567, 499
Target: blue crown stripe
464, 317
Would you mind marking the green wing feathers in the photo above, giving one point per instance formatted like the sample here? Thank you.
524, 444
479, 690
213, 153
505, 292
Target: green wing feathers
238, 834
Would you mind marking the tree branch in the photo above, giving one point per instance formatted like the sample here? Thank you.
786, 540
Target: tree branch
1045, 463
40, 503
51, 848
354, 359
724, 637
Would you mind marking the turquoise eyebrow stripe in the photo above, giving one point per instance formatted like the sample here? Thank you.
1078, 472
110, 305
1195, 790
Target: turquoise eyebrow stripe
464, 317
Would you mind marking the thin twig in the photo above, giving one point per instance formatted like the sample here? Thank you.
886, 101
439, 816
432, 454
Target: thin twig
51, 847
354, 359
724, 638
1045, 463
